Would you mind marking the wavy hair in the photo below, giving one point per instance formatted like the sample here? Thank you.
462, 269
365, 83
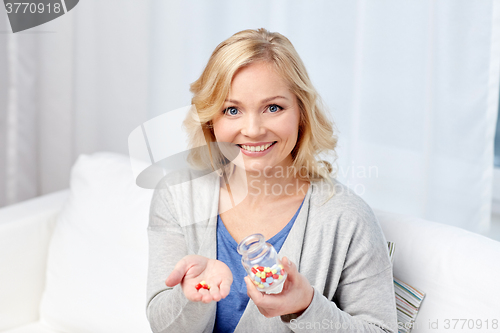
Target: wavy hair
316, 131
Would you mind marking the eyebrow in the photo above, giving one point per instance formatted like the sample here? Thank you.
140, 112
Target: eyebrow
263, 101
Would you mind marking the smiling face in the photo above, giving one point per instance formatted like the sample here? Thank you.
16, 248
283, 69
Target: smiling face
262, 112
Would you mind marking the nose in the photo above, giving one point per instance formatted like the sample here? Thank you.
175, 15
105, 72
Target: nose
253, 126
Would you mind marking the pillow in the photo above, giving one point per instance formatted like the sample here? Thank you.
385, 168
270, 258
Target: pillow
97, 261
408, 299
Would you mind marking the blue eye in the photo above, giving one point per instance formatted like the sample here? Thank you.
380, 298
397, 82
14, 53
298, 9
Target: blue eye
231, 110
274, 108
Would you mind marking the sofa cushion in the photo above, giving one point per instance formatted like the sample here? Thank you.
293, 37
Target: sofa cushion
97, 261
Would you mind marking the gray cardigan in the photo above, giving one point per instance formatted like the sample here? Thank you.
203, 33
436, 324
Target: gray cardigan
338, 246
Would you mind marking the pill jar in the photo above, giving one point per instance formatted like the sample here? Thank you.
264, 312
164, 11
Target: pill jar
262, 263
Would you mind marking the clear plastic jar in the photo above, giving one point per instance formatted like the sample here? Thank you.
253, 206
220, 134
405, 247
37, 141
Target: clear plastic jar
262, 263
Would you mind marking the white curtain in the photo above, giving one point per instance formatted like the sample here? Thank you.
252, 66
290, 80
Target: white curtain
74, 85
413, 87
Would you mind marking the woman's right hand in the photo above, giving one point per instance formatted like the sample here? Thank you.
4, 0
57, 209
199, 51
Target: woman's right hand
192, 269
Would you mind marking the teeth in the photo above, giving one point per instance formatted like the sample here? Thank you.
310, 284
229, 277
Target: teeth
256, 148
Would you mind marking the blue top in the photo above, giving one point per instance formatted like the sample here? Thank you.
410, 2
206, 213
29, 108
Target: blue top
231, 308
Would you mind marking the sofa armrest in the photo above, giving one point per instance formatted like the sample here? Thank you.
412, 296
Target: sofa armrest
457, 269
25, 231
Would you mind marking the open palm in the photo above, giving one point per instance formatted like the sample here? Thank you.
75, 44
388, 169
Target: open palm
193, 269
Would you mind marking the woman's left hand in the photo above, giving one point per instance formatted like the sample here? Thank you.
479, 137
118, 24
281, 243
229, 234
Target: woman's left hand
296, 296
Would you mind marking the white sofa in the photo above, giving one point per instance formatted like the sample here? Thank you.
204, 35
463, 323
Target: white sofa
76, 260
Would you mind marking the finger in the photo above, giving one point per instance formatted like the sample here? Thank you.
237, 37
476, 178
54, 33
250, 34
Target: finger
286, 262
177, 274
193, 295
263, 301
291, 271
252, 291
290, 267
225, 287
207, 296
215, 292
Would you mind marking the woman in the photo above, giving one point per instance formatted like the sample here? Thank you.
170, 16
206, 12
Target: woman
265, 127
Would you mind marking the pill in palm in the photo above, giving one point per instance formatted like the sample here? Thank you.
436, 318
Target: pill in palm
202, 285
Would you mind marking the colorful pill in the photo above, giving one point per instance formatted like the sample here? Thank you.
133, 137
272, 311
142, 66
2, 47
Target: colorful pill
203, 285
265, 276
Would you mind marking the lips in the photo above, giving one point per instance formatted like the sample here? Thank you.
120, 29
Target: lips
256, 147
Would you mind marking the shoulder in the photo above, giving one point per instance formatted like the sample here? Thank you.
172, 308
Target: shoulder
182, 190
344, 199
344, 210
185, 177
347, 222
186, 182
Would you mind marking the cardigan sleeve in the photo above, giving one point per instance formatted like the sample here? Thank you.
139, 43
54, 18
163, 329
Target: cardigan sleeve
324, 314
360, 296
168, 310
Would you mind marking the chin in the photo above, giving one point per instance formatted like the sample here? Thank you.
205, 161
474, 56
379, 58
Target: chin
258, 167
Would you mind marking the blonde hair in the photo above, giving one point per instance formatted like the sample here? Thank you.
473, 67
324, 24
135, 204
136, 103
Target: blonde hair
316, 131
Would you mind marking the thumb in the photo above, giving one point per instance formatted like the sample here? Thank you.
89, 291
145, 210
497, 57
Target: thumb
225, 286
177, 274
289, 266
